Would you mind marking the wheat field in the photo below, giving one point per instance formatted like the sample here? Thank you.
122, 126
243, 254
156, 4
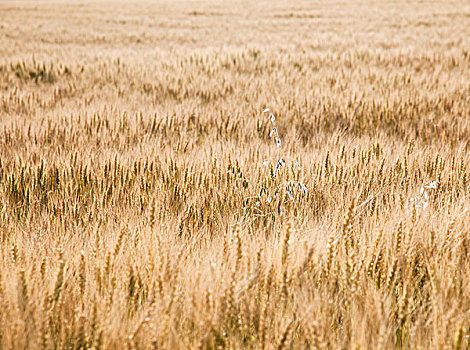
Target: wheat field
150, 200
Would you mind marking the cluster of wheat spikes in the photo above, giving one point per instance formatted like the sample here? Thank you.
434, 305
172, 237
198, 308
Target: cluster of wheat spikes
143, 204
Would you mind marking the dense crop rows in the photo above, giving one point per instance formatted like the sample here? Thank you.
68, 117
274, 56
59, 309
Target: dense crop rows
143, 203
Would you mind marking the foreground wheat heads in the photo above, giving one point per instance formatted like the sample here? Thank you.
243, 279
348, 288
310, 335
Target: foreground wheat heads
143, 204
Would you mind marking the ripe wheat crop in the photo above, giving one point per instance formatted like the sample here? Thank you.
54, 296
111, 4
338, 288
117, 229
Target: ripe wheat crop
231, 175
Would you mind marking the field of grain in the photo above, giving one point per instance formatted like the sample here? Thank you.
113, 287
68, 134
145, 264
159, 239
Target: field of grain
144, 205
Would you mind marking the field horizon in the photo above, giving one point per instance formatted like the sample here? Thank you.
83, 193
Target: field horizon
231, 175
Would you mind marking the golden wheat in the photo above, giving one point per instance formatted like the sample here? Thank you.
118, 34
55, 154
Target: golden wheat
144, 205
